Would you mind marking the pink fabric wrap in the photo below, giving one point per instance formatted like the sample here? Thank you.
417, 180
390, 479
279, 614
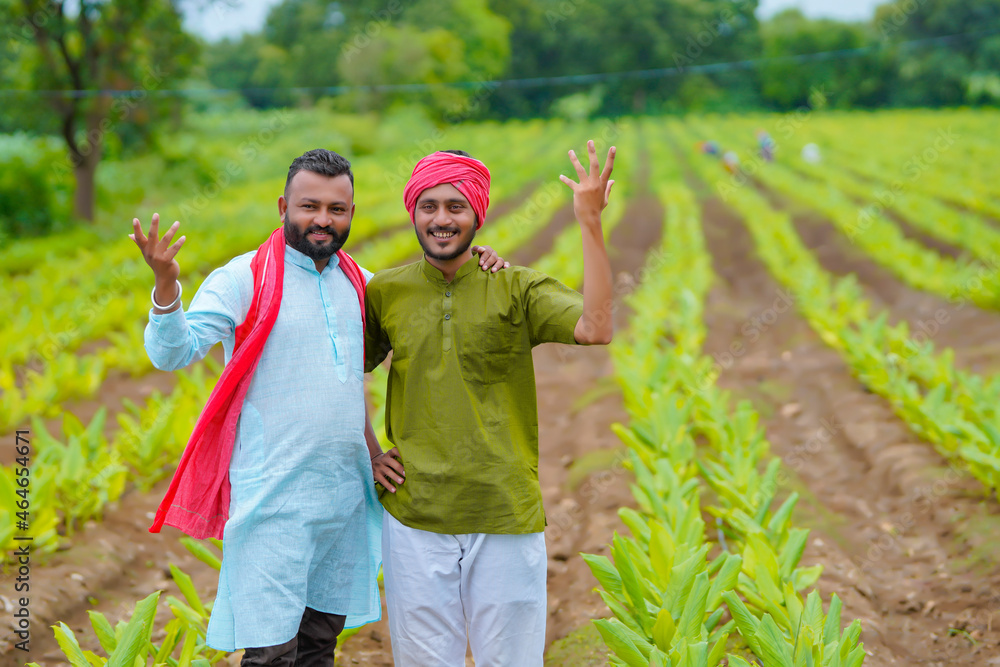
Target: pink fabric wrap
469, 175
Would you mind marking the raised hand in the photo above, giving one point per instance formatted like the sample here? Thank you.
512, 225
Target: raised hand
159, 253
162, 258
590, 195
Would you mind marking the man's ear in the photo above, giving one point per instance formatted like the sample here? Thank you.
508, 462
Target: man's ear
283, 206
353, 205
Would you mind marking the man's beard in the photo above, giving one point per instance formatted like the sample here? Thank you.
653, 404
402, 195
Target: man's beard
298, 240
443, 257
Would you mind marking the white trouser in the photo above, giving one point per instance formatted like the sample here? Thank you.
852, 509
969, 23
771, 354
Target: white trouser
446, 592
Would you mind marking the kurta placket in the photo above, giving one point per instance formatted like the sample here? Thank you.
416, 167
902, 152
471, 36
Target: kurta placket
339, 356
446, 323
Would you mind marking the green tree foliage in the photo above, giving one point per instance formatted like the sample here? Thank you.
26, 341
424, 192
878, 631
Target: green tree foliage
368, 43
252, 66
560, 37
964, 69
94, 47
298, 47
674, 45
431, 42
860, 78
34, 198
17, 110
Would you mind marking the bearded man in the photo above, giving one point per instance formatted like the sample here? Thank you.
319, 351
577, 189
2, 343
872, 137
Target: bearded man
280, 462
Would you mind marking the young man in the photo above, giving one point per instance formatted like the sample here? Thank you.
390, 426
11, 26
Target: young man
463, 542
279, 464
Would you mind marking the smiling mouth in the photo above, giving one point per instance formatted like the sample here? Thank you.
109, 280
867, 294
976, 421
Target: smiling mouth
443, 235
320, 235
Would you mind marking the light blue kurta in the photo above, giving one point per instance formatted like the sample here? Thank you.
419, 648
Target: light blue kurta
304, 526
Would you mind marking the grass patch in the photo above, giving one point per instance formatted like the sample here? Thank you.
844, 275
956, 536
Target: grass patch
599, 459
581, 648
605, 386
974, 543
765, 395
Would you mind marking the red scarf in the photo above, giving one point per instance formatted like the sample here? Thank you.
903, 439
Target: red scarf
197, 501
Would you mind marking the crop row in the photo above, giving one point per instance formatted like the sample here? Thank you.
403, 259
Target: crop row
670, 598
866, 177
131, 642
878, 236
954, 410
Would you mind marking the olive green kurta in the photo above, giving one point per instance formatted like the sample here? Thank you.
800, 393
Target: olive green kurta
460, 403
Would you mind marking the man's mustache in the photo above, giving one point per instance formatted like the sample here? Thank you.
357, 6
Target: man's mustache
322, 230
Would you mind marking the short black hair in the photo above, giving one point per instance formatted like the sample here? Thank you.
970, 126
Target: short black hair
462, 153
320, 161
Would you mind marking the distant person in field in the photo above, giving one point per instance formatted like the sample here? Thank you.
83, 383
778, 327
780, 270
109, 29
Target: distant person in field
731, 162
462, 541
283, 460
811, 154
765, 146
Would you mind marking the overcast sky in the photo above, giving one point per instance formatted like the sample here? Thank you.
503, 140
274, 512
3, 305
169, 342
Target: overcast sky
222, 20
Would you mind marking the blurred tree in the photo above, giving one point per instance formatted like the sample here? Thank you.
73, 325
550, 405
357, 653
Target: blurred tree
76, 54
18, 106
565, 37
401, 55
426, 41
858, 79
371, 43
430, 42
484, 33
232, 64
368, 43
950, 72
299, 46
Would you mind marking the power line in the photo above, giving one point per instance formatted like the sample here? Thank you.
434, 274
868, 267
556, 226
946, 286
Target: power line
533, 82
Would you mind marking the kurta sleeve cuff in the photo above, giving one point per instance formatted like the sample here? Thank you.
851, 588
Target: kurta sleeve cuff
167, 340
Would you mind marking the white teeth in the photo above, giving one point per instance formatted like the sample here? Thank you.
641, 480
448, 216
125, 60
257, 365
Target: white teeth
442, 235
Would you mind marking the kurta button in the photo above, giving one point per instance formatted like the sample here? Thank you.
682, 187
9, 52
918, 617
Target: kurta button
447, 316
447, 293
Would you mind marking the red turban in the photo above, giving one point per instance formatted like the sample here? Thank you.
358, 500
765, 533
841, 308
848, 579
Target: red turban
469, 175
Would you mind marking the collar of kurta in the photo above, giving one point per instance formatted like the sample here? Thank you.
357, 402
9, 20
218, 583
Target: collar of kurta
302, 260
435, 276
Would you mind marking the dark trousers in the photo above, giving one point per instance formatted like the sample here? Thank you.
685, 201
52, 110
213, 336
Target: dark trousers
312, 647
